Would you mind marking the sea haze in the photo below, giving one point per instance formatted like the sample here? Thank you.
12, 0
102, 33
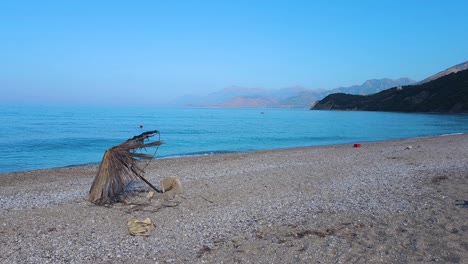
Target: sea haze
37, 137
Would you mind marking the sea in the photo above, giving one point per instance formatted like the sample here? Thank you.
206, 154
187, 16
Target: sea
45, 136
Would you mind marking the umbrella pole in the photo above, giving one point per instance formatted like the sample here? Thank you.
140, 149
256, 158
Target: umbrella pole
151, 185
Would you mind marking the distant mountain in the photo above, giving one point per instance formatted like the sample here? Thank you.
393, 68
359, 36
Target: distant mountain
291, 97
453, 69
246, 101
236, 96
220, 97
444, 94
373, 86
300, 100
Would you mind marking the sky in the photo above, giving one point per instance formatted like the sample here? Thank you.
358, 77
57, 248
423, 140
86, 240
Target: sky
150, 52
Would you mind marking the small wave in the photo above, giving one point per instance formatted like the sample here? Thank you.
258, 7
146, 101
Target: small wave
79, 165
451, 134
198, 153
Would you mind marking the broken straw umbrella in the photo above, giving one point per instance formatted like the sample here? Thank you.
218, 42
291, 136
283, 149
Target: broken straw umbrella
119, 166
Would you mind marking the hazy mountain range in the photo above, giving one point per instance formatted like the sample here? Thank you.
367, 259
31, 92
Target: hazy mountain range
291, 97
298, 96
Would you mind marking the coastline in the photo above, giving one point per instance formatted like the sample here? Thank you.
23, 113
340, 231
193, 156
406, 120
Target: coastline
210, 153
383, 202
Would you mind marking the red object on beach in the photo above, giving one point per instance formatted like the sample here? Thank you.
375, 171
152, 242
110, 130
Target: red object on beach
357, 145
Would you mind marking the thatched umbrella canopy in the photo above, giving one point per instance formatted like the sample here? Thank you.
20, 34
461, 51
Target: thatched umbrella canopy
119, 166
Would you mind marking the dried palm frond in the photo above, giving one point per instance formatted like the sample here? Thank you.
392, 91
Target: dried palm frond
119, 166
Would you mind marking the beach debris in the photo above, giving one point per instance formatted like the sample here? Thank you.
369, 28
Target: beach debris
439, 179
170, 187
203, 250
150, 195
461, 203
171, 183
153, 201
120, 165
357, 145
140, 228
409, 147
149, 206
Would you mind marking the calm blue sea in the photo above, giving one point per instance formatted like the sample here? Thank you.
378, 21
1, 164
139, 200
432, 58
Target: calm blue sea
37, 137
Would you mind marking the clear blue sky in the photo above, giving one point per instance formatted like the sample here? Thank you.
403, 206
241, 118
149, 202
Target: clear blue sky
149, 51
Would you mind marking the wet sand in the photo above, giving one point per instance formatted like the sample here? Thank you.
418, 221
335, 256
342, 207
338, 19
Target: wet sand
386, 202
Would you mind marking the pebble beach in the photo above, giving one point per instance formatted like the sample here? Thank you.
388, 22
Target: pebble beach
385, 202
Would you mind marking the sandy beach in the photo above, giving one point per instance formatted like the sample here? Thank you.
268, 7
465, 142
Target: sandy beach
386, 202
